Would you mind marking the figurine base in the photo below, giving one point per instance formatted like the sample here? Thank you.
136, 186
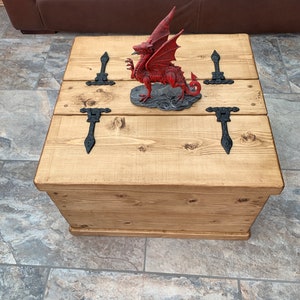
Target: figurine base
163, 97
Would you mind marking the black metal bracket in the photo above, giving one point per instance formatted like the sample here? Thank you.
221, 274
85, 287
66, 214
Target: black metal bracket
94, 115
101, 78
217, 76
223, 116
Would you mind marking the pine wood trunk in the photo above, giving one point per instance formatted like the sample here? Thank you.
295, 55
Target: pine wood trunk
158, 173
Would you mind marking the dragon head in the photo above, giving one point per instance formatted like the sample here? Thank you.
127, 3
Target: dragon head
143, 48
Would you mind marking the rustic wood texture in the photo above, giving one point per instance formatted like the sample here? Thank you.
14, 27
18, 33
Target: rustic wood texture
208, 235
139, 202
154, 173
246, 94
138, 211
173, 150
194, 55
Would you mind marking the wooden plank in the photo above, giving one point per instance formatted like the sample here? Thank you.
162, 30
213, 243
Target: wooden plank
162, 233
246, 94
194, 55
181, 151
158, 220
137, 202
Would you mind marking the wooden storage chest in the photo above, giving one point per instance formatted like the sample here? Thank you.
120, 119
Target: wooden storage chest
157, 173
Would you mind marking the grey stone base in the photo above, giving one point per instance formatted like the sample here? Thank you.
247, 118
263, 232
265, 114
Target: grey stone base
163, 97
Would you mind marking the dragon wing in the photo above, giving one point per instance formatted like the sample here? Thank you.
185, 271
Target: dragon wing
164, 55
162, 31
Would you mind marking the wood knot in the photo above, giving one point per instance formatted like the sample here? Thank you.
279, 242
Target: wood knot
118, 122
191, 146
121, 195
106, 96
91, 102
142, 148
192, 201
248, 137
241, 200
88, 102
258, 96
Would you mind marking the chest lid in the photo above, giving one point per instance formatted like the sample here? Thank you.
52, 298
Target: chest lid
173, 152
194, 55
156, 150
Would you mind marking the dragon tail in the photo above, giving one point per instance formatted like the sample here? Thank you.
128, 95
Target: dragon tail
195, 86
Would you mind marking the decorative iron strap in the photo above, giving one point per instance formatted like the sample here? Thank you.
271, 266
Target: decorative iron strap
217, 76
94, 115
223, 116
101, 78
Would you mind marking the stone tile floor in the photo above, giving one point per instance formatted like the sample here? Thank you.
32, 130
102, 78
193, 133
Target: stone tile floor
39, 259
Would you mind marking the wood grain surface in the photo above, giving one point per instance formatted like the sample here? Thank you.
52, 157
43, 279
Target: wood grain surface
158, 173
194, 55
176, 151
246, 94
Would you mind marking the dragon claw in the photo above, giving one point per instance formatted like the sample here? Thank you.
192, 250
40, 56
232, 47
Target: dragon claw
144, 98
129, 64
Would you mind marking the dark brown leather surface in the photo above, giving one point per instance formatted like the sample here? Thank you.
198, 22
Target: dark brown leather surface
116, 16
141, 16
24, 14
250, 16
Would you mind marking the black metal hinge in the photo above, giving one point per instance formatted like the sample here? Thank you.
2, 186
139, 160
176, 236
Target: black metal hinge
223, 116
94, 115
101, 78
217, 76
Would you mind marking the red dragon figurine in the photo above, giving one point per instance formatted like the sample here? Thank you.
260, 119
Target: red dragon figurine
155, 62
